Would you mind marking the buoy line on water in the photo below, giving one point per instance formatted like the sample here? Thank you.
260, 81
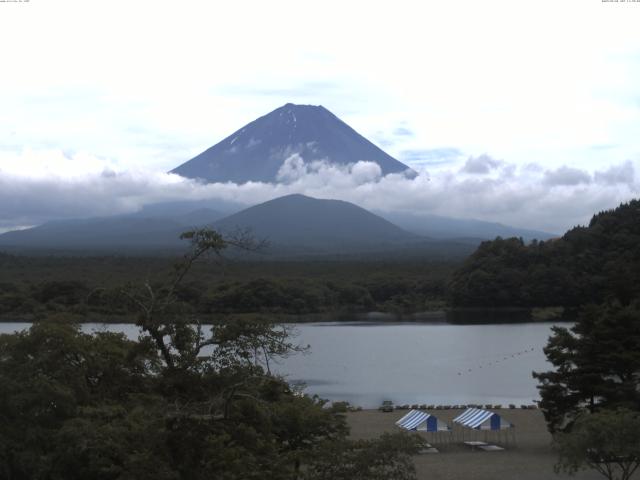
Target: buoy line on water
505, 357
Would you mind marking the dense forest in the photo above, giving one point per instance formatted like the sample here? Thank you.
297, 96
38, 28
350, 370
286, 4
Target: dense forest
33, 287
586, 265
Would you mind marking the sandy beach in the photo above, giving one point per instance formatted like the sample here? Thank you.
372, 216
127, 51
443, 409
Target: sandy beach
530, 458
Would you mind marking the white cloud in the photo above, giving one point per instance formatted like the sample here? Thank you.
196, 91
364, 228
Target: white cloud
481, 165
322, 172
566, 176
292, 169
365, 172
617, 174
519, 196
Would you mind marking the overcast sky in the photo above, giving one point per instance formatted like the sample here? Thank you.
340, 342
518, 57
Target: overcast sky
522, 112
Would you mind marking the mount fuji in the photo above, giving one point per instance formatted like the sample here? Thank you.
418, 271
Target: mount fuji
258, 150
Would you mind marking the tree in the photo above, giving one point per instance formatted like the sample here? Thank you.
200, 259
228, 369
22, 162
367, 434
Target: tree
224, 374
387, 458
49, 377
178, 403
180, 339
597, 365
607, 441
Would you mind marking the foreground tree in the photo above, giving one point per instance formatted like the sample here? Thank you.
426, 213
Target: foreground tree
54, 377
185, 401
607, 441
180, 338
387, 458
597, 365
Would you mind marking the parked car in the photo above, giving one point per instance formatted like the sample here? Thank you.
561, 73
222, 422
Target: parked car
387, 406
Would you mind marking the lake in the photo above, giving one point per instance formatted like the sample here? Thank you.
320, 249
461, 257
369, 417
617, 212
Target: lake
432, 363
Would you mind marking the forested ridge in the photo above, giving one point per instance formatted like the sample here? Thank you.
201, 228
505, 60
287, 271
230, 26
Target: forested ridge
586, 265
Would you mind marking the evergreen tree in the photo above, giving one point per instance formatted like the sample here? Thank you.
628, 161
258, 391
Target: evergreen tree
597, 365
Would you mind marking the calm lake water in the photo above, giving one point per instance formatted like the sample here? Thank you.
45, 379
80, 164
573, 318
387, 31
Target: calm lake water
433, 363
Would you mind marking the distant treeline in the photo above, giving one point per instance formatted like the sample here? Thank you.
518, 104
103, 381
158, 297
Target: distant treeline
592, 264
33, 287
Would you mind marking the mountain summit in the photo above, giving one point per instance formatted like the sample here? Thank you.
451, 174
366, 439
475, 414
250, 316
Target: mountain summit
258, 151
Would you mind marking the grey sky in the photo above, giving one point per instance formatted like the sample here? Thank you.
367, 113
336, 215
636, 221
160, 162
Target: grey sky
137, 88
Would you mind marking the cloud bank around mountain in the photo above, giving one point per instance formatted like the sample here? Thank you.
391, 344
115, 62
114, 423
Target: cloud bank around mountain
39, 186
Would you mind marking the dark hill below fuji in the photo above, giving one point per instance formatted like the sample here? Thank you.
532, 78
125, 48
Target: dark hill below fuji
292, 226
258, 150
298, 220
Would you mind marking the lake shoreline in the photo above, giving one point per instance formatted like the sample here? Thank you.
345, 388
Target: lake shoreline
451, 316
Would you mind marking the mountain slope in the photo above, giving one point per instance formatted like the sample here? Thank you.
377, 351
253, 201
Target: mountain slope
326, 224
257, 151
435, 226
110, 233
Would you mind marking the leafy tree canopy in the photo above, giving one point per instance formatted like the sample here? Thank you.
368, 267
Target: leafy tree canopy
607, 441
184, 401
